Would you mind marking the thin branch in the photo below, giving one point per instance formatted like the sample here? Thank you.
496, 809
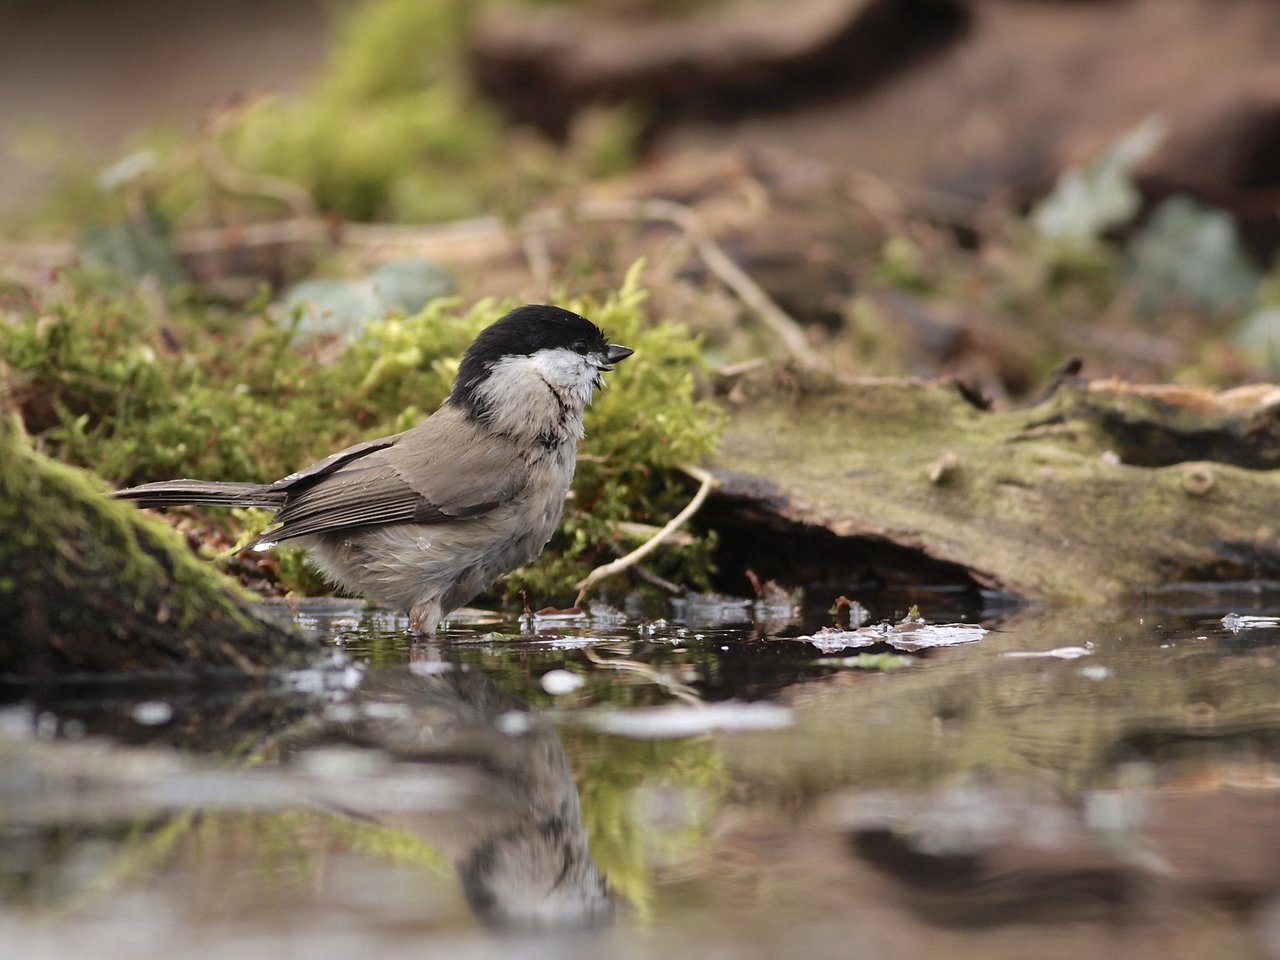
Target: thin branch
651, 578
477, 239
643, 531
659, 677
712, 254
731, 370
244, 183
538, 256
707, 481
893, 203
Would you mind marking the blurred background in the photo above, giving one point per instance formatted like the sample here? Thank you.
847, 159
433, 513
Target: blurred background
978, 188
80, 79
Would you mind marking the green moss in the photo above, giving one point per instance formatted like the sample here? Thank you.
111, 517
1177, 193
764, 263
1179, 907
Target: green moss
108, 381
614, 773
88, 585
390, 130
388, 47
423, 154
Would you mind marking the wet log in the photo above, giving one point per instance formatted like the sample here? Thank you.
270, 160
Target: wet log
544, 66
1098, 492
90, 586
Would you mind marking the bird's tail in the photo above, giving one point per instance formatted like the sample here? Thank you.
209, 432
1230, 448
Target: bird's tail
172, 493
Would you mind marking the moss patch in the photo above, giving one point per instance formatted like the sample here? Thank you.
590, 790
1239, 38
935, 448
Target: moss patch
87, 585
108, 381
1039, 501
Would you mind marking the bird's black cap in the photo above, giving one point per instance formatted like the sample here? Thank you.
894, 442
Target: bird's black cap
524, 331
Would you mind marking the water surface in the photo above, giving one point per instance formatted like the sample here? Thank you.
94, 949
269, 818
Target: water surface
698, 782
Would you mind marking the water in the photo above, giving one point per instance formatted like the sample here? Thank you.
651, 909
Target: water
701, 785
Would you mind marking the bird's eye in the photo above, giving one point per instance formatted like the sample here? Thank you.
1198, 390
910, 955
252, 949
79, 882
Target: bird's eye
580, 346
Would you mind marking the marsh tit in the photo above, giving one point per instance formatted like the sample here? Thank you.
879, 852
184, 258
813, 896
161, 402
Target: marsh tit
424, 520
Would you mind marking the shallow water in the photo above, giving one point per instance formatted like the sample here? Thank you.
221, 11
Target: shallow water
701, 784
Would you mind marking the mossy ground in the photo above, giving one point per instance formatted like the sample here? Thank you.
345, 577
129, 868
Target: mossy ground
111, 382
139, 384
87, 585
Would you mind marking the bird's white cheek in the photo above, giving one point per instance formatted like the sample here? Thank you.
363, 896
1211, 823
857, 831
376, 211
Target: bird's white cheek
565, 370
515, 386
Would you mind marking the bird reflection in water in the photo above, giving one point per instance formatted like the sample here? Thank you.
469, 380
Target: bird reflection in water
514, 830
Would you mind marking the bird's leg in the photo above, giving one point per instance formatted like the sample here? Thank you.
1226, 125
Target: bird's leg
424, 617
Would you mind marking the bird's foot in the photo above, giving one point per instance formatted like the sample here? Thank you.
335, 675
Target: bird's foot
423, 619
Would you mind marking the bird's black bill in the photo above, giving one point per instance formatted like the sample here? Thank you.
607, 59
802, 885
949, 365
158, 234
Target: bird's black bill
618, 352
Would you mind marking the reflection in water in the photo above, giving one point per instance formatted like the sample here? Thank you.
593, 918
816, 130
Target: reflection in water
984, 854
972, 802
1014, 851
516, 836
421, 758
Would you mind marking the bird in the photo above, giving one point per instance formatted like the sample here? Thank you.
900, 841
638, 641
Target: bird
423, 521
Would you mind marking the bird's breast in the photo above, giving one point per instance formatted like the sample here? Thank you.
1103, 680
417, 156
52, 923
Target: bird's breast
551, 474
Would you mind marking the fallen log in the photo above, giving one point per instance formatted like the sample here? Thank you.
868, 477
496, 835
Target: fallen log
1099, 491
544, 66
90, 586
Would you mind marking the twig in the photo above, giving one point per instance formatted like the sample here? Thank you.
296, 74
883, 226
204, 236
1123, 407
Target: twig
243, 182
731, 370
643, 531
661, 678
651, 578
894, 203
538, 256
707, 481
712, 254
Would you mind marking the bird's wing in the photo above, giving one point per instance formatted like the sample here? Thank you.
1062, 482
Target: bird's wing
333, 462
439, 470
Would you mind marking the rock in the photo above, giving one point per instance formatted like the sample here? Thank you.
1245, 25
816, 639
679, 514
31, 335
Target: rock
341, 306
